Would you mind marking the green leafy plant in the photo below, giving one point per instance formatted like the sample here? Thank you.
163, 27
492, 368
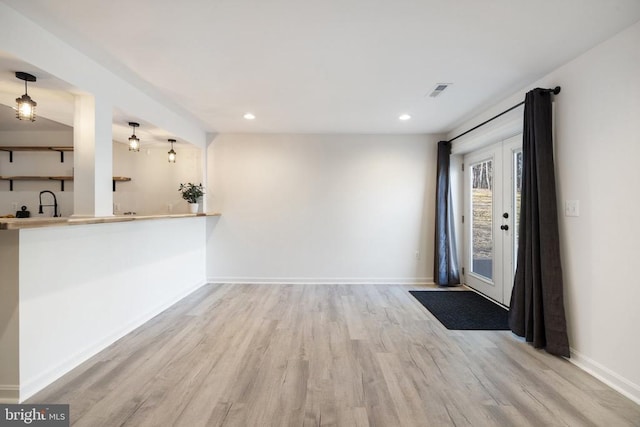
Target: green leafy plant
191, 192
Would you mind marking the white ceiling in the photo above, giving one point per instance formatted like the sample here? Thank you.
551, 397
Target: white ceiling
332, 66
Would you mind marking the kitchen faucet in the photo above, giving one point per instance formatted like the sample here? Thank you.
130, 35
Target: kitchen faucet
55, 203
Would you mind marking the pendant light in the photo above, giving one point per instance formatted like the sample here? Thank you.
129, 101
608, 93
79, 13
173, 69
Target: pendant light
26, 107
172, 153
134, 141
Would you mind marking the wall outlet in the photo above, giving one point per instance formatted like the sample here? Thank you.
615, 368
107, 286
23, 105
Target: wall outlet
169, 207
417, 255
14, 206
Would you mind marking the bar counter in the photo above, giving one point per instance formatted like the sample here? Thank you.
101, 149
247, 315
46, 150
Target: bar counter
38, 222
70, 287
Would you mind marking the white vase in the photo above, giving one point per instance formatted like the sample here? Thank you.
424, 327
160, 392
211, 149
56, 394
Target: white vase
193, 207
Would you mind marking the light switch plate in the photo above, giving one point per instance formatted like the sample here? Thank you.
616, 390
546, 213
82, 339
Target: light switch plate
572, 208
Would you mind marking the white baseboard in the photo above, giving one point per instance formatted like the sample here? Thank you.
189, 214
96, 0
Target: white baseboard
607, 376
33, 385
9, 393
324, 280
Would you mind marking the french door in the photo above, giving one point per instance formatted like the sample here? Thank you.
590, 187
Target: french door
493, 181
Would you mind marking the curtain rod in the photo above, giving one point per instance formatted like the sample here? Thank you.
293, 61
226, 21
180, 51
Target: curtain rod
555, 91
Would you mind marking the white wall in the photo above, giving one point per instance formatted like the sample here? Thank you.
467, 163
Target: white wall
154, 184
84, 286
322, 208
597, 126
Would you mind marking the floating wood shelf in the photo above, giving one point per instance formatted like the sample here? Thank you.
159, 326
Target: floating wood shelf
119, 179
62, 179
11, 148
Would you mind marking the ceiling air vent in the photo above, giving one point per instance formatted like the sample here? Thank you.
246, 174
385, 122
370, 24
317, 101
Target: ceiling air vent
440, 87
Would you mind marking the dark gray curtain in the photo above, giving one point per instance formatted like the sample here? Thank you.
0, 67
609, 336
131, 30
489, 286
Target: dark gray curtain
446, 260
537, 303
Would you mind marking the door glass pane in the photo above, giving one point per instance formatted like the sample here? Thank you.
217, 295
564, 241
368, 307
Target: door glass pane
517, 187
482, 218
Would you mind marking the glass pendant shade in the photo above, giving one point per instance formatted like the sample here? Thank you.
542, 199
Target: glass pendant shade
172, 152
134, 141
25, 106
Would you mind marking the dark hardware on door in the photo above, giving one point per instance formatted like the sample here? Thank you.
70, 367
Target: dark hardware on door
505, 215
504, 227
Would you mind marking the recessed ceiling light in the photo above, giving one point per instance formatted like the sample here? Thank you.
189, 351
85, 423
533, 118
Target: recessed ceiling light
404, 117
249, 116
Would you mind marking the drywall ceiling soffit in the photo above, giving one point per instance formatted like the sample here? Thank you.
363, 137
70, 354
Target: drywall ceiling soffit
150, 135
54, 97
9, 123
56, 103
332, 66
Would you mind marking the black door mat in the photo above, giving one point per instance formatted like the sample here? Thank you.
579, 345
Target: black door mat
464, 310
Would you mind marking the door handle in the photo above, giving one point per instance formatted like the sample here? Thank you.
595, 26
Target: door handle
504, 227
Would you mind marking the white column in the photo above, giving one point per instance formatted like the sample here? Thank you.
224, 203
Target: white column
207, 200
92, 157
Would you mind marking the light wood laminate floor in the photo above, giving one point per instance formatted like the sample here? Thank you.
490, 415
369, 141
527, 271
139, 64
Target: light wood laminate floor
303, 355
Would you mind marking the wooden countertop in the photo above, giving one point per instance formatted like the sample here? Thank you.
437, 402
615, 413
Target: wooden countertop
39, 222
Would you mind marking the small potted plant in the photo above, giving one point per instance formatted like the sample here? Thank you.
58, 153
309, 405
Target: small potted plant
191, 193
